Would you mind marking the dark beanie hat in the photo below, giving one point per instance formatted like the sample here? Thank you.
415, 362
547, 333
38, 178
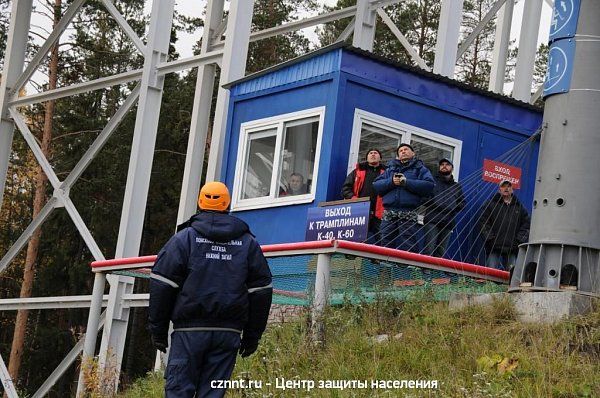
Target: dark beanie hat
371, 150
404, 144
447, 161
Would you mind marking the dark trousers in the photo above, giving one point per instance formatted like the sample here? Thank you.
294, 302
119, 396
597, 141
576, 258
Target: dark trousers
198, 358
399, 234
373, 236
501, 261
436, 239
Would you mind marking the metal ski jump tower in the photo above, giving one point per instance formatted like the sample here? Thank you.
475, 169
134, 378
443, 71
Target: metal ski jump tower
224, 45
564, 243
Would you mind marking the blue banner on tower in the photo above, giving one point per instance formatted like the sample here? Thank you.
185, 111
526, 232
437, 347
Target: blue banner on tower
560, 67
564, 19
347, 221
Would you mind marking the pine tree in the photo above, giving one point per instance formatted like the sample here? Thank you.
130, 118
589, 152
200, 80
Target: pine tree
4, 23
475, 65
96, 48
540, 66
416, 19
270, 13
41, 181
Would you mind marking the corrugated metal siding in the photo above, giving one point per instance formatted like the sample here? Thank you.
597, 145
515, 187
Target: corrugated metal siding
314, 67
486, 124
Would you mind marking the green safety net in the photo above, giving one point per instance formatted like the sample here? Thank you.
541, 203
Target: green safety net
357, 279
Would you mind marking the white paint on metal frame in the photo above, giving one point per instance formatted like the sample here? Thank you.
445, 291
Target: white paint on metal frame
7, 383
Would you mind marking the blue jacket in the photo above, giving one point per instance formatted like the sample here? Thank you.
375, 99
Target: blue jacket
419, 185
211, 275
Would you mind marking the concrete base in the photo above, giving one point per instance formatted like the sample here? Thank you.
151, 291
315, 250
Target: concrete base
539, 307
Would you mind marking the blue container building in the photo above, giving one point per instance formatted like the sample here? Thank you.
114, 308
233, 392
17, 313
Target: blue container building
306, 122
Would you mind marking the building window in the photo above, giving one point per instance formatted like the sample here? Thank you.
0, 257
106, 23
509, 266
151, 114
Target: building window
380, 137
374, 131
278, 160
259, 164
430, 151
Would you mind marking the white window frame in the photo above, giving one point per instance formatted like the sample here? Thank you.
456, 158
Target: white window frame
405, 131
276, 122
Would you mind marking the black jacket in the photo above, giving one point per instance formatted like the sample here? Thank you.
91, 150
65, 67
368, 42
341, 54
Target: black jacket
211, 275
367, 185
504, 226
367, 188
447, 201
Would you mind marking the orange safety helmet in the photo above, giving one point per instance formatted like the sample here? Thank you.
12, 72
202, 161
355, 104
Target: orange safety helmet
214, 196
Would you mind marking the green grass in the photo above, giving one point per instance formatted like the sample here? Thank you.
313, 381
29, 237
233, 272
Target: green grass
465, 351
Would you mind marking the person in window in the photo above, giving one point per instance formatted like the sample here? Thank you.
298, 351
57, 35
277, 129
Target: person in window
504, 226
441, 210
296, 185
359, 184
403, 186
212, 281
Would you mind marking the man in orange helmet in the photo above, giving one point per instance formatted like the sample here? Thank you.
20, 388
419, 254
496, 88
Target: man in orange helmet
213, 282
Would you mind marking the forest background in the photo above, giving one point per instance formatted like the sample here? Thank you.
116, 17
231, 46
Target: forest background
56, 261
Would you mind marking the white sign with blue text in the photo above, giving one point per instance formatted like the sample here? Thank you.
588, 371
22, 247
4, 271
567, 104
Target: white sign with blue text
345, 221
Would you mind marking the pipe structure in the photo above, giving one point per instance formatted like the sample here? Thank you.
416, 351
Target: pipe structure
563, 252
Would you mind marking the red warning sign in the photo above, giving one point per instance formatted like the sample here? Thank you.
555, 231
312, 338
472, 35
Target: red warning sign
495, 172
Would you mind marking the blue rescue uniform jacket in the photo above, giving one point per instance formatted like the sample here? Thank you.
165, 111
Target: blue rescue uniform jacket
419, 184
211, 275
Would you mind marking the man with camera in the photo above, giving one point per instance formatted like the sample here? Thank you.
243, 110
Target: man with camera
403, 186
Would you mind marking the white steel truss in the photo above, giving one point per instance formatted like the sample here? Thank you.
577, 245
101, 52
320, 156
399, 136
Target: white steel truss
229, 55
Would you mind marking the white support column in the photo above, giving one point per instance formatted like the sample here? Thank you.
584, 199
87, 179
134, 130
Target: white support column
501, 43
322, 292
479, 28
91, 331
52, 38
530, 27
144, 135
194, 159
138, 182
364, 25
115, 328
403, 40
233, 67
59, 193
448, 34
14, 62
6, 381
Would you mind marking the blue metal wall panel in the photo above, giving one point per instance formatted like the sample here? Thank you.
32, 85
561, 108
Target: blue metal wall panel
443, 95
377, 88
451, 124
286, 223
314, 67
479, 140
